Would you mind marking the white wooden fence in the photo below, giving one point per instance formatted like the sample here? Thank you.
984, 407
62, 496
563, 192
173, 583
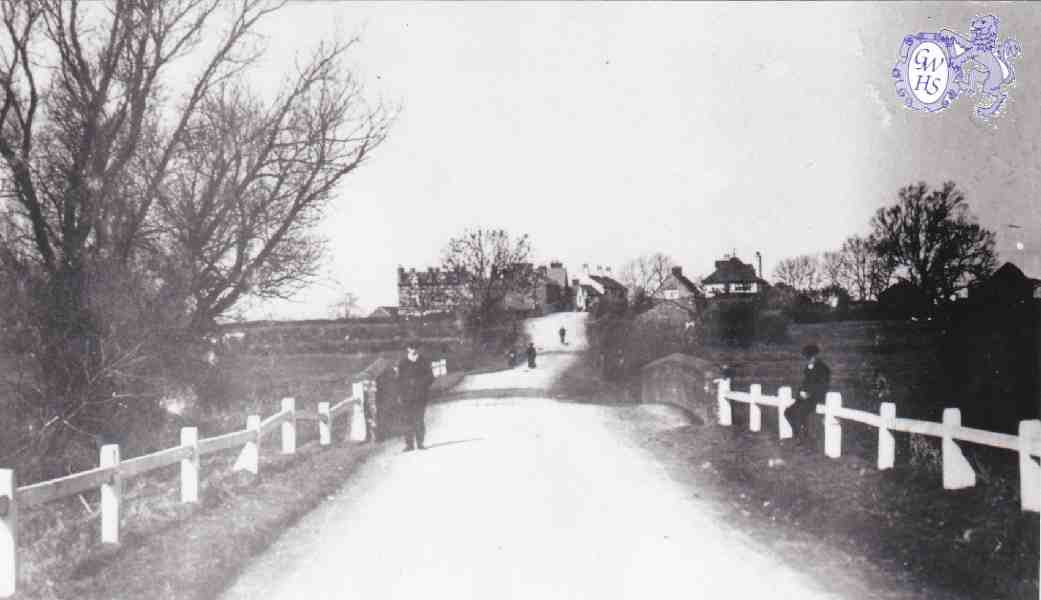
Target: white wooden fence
957, 472
112, 471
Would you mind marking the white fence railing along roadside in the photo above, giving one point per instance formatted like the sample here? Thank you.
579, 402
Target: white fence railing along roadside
112, 471
957, 471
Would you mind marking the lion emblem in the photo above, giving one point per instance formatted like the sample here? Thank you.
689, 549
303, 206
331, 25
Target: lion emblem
979, 67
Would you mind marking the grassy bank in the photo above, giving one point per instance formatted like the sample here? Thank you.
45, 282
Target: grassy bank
899, 527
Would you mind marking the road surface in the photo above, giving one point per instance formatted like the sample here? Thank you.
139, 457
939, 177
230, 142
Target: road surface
518, 498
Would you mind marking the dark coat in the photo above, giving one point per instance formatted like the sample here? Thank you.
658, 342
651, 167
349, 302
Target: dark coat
414, 379
815, 381
531, 356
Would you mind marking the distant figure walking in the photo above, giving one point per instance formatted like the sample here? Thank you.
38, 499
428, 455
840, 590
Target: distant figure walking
563, 334
414, 379
816, 377
531, 355
511, 358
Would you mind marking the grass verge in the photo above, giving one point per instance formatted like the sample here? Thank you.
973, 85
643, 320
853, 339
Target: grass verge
172, 550
897, 529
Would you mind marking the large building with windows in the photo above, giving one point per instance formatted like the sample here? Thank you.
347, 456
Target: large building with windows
431, 291
733, 277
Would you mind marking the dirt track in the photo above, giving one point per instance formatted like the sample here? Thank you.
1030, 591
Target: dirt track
521, 498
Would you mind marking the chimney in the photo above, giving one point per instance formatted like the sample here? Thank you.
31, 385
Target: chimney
677, 271
607, 270
759, 261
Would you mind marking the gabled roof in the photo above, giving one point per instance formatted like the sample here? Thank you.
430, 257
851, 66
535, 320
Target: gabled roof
590, 290
390, 311
677, 280
608, 283
732, 270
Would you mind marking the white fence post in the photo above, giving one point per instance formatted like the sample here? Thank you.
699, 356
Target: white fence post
1029, 471
755, 414
832, 425
190, 465
886, 441
784, 426
325, 423
289, 426
723, 404
249, 458
357, 432
8, 533
957, 472
111, 495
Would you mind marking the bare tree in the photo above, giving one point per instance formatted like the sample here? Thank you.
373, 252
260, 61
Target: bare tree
492, 264
646, 273
136, 215
863, 271
253, 179
346, 307
833, 269
931, 239
800, 272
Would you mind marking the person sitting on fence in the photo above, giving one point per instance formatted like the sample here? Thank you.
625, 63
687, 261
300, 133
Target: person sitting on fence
816, 377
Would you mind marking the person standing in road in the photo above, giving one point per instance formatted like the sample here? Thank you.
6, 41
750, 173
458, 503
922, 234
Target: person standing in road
414, 379
531, 355
816, 377
563, 334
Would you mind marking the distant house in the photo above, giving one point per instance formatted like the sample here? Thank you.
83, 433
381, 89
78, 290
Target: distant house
551, 288
733, 277
613, 290
385, 312
431, 291
586, 295
677, 287
1007, 285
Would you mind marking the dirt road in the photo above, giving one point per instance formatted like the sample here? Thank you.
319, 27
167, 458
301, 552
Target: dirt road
519, 498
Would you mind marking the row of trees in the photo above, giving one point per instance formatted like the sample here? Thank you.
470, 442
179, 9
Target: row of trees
135, 213
929, 239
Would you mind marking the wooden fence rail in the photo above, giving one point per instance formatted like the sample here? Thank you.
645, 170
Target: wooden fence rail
957, 471
112, 471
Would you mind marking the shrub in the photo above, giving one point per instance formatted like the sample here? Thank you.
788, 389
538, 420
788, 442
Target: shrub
730, 322
771, 326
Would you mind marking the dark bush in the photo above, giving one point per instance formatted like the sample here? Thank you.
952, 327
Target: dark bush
771, 326
730, 322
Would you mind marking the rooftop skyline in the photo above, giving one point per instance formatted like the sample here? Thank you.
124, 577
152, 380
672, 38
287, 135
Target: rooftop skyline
606, 131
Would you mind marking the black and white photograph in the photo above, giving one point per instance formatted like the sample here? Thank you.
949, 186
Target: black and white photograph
547, 300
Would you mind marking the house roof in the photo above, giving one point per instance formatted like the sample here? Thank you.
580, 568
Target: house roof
1007, 282
590, 290
677, 280
390, 311
608, 283
732, 270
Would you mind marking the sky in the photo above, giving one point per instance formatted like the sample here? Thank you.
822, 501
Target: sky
610, 130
